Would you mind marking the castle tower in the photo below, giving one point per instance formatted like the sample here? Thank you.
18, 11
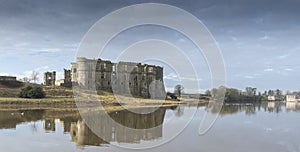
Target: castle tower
49, 78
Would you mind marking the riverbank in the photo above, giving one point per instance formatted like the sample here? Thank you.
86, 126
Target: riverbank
107, 103
62, 98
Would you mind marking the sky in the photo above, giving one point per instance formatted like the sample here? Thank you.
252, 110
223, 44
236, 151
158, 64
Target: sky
259, 39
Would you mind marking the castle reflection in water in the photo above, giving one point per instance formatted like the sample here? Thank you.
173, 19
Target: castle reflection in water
80, 133
109, 131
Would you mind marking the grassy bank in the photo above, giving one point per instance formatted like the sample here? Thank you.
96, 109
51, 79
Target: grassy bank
62, 98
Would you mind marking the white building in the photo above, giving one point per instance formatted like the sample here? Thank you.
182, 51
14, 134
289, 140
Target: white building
291, 98
271, 98
59, 82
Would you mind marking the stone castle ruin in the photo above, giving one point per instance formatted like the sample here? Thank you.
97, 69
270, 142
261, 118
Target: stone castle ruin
49, 78
126, 78
8, 78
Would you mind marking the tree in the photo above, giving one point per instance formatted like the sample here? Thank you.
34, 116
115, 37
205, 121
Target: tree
232, 95
217, 93
25, 79
278, 93
250, 91
32, 92
208, 92
271, 93
35, 76
178, 90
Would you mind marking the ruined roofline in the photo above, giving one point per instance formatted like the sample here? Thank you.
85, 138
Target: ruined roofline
8, 78
50, 72
83, 59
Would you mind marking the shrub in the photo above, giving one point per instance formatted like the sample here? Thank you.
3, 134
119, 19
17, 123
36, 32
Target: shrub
32, 92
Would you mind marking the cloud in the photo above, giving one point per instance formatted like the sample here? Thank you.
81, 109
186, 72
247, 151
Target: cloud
171, 76
284, 56
249, 77
28, 73
5, 74
234, 38
288, 69
269, 70
264, 37
250, 33
174, 77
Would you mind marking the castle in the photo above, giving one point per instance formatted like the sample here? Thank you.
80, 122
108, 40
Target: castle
126, 78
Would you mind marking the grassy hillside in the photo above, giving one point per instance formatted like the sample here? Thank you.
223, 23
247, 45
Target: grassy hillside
12, 89
57, 91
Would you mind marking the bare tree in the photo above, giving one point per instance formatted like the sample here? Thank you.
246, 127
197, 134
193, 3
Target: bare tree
35, 76
25, 79
178, 90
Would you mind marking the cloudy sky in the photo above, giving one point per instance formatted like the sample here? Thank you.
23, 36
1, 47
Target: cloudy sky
259, 39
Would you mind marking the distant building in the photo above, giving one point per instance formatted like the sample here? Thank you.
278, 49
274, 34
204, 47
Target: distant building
49, 78
66, 82
8, 78
123, 77
291, 98
271, 98
59, 82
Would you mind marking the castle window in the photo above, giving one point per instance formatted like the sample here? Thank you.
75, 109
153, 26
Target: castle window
125, 67
136, 68
102, 76
74, 70
135, 78
113, 68
150, 69
144, 77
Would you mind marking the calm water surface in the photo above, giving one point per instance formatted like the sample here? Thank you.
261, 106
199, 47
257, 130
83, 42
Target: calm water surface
268, 127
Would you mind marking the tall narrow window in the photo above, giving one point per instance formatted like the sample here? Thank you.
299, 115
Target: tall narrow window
113, 68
